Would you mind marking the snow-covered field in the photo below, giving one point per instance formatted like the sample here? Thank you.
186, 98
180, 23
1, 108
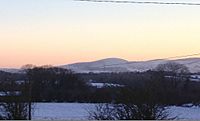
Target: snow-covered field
189, 113
79, 111
61, 111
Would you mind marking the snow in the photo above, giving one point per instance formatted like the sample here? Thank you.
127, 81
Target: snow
17, 93
10, 70
101, 85
195, 78
61, 111
19, 82
121, 65
189, 113
79, 111
97, 85
96, 66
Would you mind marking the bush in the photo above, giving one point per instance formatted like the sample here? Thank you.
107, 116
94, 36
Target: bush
129, 112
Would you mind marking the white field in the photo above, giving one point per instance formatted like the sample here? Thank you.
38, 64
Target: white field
79, 111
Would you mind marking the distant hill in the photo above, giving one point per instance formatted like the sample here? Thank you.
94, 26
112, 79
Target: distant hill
10, 70
121, 65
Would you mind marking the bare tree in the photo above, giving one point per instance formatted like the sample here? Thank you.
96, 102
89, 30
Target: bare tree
129, 112
173, 67
14, 111
132, 104
102, 112
175, 71
14, 103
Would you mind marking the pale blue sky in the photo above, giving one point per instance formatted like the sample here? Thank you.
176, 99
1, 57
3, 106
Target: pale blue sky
14, 11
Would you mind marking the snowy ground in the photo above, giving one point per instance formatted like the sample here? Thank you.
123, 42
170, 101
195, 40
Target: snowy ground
79, 111
61, 111
190, 113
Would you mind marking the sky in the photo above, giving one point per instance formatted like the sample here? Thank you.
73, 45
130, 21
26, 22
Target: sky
58, 32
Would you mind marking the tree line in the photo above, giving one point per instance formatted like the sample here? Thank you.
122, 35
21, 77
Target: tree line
144, 95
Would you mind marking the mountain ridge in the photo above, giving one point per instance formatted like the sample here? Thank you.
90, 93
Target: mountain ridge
121, 65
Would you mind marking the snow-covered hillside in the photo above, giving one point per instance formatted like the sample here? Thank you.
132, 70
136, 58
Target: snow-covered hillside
121, 65
10, 70
98, 66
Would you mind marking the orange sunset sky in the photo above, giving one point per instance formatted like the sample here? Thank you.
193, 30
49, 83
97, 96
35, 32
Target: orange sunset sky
65, 31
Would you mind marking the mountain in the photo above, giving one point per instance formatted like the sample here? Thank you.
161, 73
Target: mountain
121, 65
98, 66
10, 70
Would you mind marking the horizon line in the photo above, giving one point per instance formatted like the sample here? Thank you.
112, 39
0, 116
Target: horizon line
128, 61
